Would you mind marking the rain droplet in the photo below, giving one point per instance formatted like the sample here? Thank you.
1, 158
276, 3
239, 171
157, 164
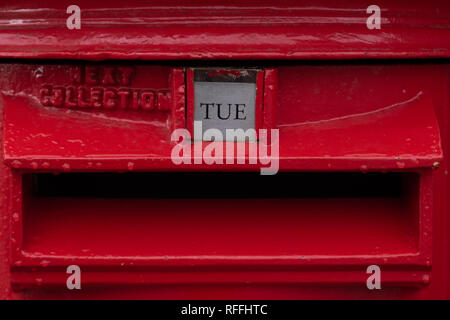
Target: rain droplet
45, 263
16, 164
39, 281
400, 164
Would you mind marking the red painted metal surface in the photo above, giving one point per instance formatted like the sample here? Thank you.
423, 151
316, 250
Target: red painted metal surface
117, 116
217, 30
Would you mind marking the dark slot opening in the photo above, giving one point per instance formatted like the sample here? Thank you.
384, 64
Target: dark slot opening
220, 214
221, 185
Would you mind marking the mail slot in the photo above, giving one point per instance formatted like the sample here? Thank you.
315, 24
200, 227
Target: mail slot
355, 146
122, 214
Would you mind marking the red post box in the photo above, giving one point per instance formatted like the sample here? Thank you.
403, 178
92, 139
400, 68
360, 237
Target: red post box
88, 176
